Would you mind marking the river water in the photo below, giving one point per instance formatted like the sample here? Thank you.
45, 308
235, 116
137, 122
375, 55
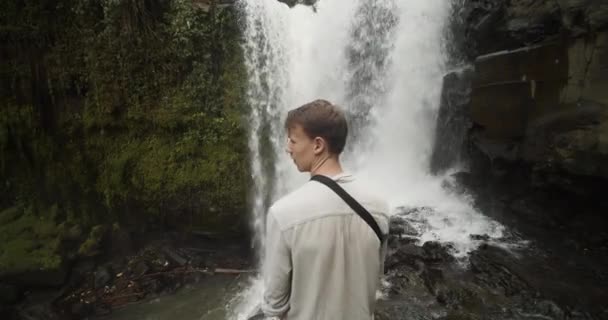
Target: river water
210, 299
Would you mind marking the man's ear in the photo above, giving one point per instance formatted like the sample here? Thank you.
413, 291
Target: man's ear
319, 145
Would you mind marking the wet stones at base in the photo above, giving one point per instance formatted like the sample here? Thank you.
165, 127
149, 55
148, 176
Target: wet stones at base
400, 227
158, 269
492, 283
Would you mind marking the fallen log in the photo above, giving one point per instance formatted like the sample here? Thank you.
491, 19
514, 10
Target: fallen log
233, 271
204, 271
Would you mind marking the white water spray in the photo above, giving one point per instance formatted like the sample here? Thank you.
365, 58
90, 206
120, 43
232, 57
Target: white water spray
382, 60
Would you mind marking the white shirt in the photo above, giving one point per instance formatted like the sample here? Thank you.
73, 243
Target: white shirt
323, 261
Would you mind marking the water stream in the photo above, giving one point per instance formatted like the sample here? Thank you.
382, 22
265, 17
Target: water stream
383, 62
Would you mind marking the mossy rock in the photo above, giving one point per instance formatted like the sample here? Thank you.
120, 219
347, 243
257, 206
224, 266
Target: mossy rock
142, 120
30, 248
92, 245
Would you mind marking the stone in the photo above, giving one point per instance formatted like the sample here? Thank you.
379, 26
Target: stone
437, 252
139, 268
547, 308
510, 87
153, 286
584, 15
483, 19
500, 25
399, 310
174, 256
103, 275
480, 237
455, 298
399, 227
405, 255
545, 105
453, 121
494, 268
532, 21
433, 280
92, 245
587, 74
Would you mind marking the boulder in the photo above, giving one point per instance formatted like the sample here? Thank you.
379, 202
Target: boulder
453, 121
93, 244
545, 105
398, 226
584, 15
496, 25
103, 275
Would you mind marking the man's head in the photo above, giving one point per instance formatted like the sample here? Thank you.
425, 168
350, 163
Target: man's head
316, 131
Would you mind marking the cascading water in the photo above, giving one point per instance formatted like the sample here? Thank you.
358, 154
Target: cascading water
383, 61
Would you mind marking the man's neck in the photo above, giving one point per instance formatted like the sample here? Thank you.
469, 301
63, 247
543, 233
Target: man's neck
327, 167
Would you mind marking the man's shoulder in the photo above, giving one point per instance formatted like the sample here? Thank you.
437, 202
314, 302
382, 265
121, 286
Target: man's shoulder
367, 194
294, 201
314, 199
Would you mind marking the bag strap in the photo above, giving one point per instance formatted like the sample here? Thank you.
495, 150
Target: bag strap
358, 208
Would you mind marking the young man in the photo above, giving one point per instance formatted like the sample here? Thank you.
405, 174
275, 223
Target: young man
323, 261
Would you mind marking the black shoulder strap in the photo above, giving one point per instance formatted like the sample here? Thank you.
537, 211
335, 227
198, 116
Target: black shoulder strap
362, 212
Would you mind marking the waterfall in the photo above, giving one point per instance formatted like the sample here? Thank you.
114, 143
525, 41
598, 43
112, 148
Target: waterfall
381, 60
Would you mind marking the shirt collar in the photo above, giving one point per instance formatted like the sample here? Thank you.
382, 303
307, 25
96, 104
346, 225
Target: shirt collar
343, 177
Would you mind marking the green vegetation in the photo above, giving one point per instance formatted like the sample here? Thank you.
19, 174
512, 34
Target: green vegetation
29, 241
117, 111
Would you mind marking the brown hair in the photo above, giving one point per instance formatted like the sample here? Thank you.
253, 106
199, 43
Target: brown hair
322, 119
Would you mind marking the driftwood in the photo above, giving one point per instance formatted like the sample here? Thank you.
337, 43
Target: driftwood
232, 271
197, 270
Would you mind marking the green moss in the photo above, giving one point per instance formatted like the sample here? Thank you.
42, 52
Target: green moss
133, 115
91, 245
28, 243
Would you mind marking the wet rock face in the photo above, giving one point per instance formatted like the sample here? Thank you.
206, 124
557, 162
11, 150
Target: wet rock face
453, 120
495, 25
545, 106
580, 16
538, 97
534, 112
495, 283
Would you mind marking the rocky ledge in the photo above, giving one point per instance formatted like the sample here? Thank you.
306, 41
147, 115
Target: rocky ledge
535, 91
525, 116
95, 288
502, 279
